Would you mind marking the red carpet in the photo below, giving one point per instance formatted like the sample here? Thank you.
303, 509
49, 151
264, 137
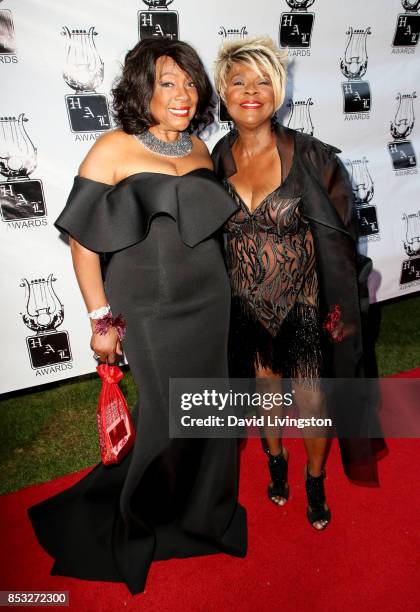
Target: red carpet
368, 558
410, 374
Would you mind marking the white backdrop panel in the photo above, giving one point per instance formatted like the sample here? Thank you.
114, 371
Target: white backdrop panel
47, 336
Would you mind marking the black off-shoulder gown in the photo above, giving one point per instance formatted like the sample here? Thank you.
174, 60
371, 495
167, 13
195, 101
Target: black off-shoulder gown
167, 276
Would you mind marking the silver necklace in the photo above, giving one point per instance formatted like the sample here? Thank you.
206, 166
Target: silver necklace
180, 148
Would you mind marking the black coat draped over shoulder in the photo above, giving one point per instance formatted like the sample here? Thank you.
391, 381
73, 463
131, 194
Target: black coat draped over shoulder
342, 273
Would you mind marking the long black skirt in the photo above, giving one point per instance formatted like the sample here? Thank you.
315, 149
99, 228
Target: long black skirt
168, 497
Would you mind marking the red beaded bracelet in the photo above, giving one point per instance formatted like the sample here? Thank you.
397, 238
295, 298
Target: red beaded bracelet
103, 325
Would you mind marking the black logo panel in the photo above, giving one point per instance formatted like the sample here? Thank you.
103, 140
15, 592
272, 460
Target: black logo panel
357, 97
224, 116
22, 200
88, 112
158, 24
410, 271
296, 30
407, 30
402, 154
49, 349
368, 220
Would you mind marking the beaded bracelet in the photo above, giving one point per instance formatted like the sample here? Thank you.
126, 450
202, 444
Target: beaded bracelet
332, 321
103, 325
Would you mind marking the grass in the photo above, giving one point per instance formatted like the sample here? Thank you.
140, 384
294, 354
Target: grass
51, 430
398, 345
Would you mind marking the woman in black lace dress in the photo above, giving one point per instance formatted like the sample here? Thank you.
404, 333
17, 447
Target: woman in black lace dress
289, 312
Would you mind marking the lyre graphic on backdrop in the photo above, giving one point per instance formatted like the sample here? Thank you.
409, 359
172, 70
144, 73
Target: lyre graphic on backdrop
410, 272
356, 92
22, 202
363, 191
232, 33
401, 150
229, 33
295, 29
407, 30
7, 38
158, 21
44, 314
84, 72
300, 116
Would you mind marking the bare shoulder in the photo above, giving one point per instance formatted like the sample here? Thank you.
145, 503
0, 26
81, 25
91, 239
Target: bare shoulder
199, 145
201, 151
102, 161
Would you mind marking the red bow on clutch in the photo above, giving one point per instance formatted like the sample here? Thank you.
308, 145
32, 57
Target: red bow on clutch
115, 427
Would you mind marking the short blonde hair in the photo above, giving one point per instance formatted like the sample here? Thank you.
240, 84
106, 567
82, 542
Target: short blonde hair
262, 55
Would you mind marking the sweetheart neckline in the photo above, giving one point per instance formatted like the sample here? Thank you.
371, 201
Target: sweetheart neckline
250, 212
139, 174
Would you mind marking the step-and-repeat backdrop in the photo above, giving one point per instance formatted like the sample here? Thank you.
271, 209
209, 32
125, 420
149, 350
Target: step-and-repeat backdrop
354, 68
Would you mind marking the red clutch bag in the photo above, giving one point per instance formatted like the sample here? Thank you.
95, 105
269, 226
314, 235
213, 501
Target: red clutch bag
115, 427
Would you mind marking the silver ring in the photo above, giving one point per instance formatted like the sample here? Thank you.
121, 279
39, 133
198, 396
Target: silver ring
95, 356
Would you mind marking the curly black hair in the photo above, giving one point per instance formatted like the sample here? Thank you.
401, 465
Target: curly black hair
133, 90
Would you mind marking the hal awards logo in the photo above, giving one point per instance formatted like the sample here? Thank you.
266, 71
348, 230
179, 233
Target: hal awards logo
300, 116
407, 29
295, 28
44, 314
363, 191
356, 93
84, 72
7, 38
401, 150
22, 202
410, 272
158, 21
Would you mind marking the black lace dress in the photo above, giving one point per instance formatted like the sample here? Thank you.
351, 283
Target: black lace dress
320, 199
275, 319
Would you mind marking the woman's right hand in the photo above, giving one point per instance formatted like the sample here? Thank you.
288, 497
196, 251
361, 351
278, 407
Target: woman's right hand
106, 346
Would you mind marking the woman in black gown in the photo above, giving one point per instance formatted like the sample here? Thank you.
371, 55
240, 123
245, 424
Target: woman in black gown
298, 282
147, 195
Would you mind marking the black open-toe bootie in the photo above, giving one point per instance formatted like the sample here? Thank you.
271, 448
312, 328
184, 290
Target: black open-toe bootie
315, 492
278, 466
